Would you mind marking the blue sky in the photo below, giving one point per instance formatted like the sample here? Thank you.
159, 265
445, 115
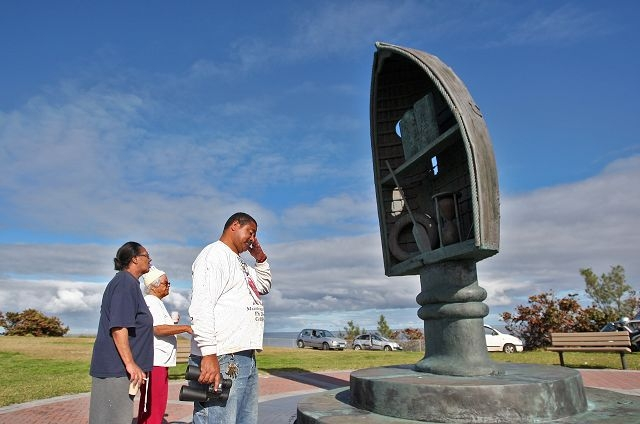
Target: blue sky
154, 121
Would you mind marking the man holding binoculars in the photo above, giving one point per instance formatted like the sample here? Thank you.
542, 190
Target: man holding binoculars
191, 394
228, 324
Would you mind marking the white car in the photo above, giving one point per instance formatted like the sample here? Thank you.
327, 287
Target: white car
501, 342
374, 342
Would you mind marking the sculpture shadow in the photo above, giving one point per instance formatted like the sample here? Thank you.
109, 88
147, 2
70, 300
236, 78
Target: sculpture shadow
320, 380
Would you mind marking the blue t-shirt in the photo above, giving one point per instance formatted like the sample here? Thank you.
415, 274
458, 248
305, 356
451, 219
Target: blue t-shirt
122, 306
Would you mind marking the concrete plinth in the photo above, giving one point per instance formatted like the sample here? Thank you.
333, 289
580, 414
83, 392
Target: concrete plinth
523, 394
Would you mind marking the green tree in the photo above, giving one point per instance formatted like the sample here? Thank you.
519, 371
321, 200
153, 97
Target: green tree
611, 293
351, 330
383, 327
545, 314
32, 322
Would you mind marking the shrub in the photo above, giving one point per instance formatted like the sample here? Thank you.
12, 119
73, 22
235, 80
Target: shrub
32, 322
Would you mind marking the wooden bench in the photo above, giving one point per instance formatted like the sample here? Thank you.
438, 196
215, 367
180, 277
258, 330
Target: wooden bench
183, 351
606, 341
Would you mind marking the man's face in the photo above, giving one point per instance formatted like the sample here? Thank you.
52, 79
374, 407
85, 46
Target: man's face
243, 235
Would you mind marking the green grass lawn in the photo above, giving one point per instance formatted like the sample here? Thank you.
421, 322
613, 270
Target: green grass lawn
40, 368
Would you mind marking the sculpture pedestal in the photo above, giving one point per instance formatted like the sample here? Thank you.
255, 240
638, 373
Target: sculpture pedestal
452, 310
524, 393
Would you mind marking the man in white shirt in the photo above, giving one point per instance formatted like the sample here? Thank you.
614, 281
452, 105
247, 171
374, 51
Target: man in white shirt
228, 321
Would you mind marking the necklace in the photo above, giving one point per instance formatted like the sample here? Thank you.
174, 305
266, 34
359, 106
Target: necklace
253, 290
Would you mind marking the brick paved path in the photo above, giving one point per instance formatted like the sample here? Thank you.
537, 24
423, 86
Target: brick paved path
279, 395
75, 409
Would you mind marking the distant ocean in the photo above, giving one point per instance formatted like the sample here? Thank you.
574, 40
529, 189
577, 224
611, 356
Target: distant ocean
280, 338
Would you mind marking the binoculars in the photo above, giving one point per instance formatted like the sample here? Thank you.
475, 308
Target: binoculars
205, 394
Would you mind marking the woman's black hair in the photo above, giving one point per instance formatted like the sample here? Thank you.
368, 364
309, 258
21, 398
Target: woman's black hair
125, 255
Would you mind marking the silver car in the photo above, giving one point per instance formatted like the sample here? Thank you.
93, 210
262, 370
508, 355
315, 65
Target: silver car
320, 339
374, 342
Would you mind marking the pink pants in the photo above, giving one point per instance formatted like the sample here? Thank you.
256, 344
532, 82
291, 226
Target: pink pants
155, 395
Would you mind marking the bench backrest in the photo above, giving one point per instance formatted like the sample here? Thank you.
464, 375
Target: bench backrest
605, 338
183, 352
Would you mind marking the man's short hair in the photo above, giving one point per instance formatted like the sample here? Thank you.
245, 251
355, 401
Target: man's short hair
242, 218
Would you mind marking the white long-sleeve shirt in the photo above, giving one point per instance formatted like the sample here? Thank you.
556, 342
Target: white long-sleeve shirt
227, 314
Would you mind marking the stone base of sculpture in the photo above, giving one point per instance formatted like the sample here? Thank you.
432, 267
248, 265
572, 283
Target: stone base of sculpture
524, 393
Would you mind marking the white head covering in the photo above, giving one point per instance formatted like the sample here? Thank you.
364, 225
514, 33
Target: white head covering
151, 276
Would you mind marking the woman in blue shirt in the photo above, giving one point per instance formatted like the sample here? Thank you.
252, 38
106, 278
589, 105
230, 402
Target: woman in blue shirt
123, 350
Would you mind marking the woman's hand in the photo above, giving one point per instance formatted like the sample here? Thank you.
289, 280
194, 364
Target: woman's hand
121, 339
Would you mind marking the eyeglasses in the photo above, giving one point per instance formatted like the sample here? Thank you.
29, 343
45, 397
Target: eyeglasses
146, 255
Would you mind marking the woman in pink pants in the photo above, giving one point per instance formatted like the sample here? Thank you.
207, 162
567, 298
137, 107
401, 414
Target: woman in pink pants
153, 397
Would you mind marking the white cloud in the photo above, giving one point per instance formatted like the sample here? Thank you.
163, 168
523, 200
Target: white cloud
328, 29
134, 183
76, 303
342, 211
565, 24
547, 235
341, 28
70, 300
165, 159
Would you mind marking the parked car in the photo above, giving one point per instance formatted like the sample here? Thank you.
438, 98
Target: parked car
320, 339
501, 342
631, 326
374, 342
